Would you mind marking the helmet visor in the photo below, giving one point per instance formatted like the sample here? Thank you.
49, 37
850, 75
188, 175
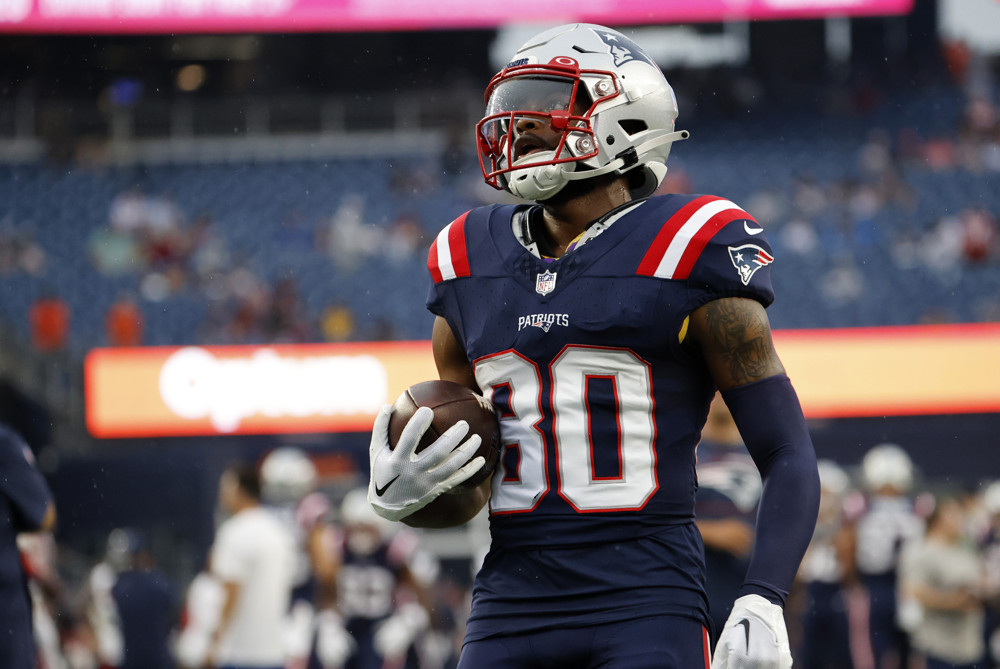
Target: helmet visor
533, 94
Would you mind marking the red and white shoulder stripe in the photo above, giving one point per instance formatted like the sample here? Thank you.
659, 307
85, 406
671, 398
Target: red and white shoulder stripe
676, 249
448, 258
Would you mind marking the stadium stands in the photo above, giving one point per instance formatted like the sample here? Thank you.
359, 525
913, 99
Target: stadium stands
867, 225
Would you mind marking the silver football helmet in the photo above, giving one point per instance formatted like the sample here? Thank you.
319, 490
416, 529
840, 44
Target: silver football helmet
287, 475
576, 102
887, 465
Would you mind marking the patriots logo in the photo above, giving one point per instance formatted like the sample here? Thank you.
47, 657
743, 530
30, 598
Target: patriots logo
623, 49
749, 258
545, 283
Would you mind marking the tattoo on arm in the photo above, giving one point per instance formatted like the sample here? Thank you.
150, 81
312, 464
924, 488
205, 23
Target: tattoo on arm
743, 340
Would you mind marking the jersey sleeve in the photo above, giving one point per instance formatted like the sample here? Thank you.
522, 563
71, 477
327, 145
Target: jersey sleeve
22, 483
447, 262
716, 247
733, 260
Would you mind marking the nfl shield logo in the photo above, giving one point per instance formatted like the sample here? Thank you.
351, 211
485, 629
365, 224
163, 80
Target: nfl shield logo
545, 283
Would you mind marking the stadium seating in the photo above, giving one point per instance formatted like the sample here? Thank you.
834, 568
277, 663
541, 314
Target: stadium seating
273, 217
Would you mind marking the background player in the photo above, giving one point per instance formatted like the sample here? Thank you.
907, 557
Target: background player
883, 530
600, 323
383, 588
25, 506
253, 560
289, 486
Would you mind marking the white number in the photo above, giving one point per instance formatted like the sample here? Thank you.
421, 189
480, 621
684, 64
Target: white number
571, 373
522, 489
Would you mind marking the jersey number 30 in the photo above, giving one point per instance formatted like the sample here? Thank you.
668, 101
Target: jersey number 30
522, 481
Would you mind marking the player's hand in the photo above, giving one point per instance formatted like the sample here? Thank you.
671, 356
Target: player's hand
395, 634
403, 481
334, 644
754, 637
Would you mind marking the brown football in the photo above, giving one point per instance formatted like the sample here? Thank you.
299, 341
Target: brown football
451, 403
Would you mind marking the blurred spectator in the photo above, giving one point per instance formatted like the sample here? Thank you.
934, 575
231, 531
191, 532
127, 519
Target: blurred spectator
20, 253
403, 237
124, 323
285, 319
210, 256
114, 252
49, 317
25, 506
799, 236
337, 323
991, 552
127, 213
844, 283
979, 229
942, 579
253, 559
347, 239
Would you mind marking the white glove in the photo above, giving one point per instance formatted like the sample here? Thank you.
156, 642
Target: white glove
403, 481
754, 637
396, 634
334, 644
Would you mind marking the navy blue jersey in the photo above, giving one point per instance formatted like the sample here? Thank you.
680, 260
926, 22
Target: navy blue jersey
600, 407
24, 497
144, 600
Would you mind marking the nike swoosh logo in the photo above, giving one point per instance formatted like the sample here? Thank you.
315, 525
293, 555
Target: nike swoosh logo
381, 491
751, 231
746, 627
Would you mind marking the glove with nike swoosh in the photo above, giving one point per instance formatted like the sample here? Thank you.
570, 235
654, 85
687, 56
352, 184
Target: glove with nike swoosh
754, 637
403, 481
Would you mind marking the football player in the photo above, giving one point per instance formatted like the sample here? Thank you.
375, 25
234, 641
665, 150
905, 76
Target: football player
600, 320
885, 527
290, 487
382, 588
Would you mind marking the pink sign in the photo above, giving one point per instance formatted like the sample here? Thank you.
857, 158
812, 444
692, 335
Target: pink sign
208, 16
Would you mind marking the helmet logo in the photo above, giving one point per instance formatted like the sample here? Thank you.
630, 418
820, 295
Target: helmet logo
565, 61
623, 49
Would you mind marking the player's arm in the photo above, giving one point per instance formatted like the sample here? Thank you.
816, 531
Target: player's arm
733, 337
451, 509
230, 594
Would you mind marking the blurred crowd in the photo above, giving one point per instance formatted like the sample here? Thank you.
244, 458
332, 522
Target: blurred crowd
882, 217
903, 573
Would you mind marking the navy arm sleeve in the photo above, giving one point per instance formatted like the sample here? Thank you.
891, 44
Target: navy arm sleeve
774, 430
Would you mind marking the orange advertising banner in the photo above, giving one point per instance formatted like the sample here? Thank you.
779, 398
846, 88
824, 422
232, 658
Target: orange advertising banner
315, 388
894, 371
213, 390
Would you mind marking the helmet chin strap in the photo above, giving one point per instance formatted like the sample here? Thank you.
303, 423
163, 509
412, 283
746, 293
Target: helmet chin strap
543, 181
620, 162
